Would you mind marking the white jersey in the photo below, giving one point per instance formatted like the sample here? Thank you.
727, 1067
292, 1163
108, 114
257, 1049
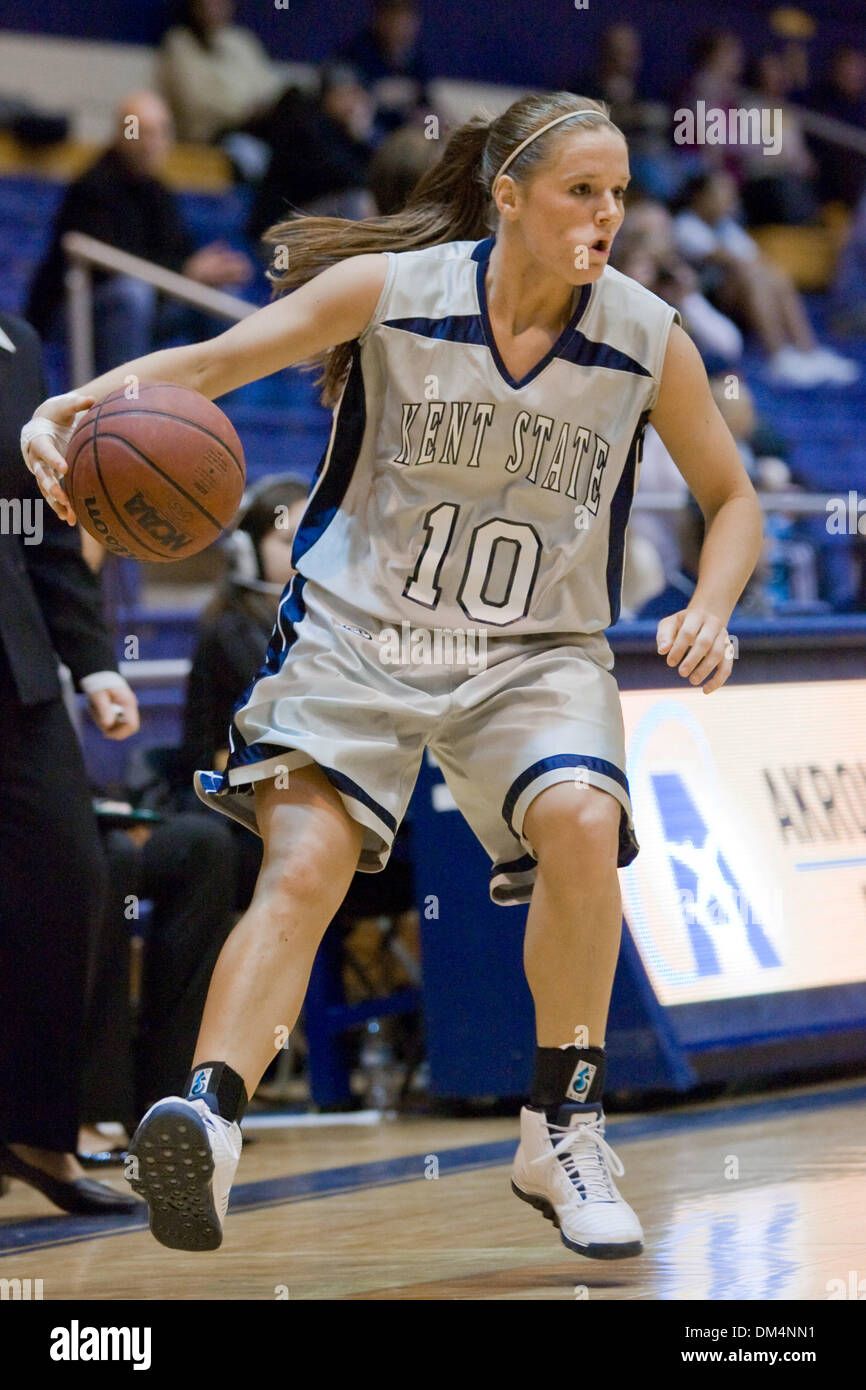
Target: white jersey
452, 495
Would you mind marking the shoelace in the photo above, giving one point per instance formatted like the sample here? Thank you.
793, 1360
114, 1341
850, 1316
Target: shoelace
597, 1153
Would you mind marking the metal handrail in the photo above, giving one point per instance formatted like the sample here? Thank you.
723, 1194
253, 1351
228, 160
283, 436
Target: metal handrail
85, 253
830, 128
802, 503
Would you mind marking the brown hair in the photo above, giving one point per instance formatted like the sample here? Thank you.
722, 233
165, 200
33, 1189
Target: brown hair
451, 202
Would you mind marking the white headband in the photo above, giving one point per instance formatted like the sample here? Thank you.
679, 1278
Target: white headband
550, 124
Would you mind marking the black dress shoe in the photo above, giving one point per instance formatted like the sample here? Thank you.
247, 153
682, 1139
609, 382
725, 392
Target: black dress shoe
82, 1197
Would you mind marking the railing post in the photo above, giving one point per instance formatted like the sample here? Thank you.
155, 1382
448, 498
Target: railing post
79, 321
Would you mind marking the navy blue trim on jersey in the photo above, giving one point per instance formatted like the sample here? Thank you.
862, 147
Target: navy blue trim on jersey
627, 846
586, 353
620, 507
255, 753
522, 865
345, 785
481, 254
592, 764
338, 462
456, 328
293, 608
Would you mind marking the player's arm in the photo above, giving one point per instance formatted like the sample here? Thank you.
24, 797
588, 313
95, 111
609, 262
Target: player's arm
334, 307
697, 438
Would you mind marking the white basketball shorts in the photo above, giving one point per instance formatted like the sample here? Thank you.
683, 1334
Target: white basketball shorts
504, 717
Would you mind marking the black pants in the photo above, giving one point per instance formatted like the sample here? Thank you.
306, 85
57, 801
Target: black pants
187, 869
52, 877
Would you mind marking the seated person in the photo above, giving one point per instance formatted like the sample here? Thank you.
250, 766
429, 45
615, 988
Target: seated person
645, 251
387, 57
778, 187
122, 200
848, 293
841, 94
321, 150
234, 635
185, 865
215, 75
751, 287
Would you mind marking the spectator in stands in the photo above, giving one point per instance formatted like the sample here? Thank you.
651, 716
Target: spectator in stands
647, 124
662, 567
645, 250
215, 75
717, 59
777, 188
387, 56
655, 560
842, 95
234, 637
848, 295
619, 65
320, 163
122, 200
750, 287
186, 867
717, 64
397, 165
669, 533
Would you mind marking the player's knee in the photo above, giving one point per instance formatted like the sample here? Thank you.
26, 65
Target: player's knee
570, 823
299, 884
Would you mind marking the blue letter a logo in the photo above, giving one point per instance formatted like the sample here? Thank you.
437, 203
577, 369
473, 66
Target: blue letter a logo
720, 919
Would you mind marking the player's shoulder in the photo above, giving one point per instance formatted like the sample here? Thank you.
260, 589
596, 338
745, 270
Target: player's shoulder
442, 250
430, 282
377, 262
430, 256
618, 290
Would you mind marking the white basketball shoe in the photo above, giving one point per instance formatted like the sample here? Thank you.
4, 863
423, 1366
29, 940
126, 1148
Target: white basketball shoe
185, 1159
564, 1170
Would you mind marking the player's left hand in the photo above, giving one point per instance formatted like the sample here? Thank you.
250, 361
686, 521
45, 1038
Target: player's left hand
698, 644
115, 711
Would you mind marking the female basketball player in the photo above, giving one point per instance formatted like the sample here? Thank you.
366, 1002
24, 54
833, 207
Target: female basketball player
491, 396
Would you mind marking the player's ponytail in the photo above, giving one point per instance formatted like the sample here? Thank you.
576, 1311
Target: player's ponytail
452, 201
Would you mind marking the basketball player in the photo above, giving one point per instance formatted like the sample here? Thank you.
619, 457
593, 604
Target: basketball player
491, 396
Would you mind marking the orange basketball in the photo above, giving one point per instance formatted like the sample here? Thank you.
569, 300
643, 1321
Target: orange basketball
156, 477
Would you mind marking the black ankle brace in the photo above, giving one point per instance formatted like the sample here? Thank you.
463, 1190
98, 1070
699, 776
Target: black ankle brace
221, 1089
567, 1074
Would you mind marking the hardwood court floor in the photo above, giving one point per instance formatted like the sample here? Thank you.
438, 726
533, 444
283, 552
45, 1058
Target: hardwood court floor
759, 1198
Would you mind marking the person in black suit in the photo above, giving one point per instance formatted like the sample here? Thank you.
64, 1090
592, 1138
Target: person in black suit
51, 864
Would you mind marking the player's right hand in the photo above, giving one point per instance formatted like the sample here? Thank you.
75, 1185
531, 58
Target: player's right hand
42, 451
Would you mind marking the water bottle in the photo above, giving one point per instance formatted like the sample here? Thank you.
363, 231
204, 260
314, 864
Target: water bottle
377, 1064
778, 586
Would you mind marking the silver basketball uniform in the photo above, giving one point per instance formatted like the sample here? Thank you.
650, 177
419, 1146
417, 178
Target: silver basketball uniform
459, 558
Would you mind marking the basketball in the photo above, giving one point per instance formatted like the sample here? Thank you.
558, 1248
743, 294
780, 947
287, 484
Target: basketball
156, 477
